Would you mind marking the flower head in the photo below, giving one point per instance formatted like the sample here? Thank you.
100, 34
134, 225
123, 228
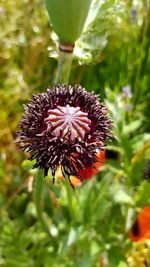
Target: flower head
65, 126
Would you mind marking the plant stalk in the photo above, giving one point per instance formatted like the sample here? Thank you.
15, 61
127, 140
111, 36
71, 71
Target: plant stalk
69, 191
62, 76
64, 67
38, 200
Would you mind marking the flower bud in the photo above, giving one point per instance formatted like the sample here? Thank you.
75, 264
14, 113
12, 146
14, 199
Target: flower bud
68, 18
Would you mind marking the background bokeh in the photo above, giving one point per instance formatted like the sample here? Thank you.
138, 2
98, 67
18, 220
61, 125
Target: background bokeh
112, 58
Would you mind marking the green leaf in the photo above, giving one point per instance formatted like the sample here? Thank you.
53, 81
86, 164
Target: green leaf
142, 196
28, 164
115, 256
121, 196
133, 126
122, 264
86, 261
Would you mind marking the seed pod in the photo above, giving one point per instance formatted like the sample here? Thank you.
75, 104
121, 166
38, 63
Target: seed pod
68, 18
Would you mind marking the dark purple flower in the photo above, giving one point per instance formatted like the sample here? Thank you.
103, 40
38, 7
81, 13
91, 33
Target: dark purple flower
64, 126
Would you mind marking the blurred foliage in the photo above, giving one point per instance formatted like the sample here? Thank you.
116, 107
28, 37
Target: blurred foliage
93, 231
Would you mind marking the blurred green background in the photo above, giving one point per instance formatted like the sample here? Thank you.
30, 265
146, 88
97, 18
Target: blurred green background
112, 58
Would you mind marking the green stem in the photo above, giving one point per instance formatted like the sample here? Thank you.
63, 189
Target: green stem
69, 191
63, 73
38, 200
64, 67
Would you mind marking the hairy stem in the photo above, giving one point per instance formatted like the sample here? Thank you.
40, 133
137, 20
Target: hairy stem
64, 67
62, 76
69, 191
38, 200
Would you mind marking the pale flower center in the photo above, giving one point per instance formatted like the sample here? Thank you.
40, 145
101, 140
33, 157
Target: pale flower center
68, 122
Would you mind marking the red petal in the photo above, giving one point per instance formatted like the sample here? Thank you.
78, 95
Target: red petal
89, 172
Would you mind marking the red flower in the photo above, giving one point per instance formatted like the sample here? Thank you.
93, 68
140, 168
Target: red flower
141, 228
86, 173
90, 171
